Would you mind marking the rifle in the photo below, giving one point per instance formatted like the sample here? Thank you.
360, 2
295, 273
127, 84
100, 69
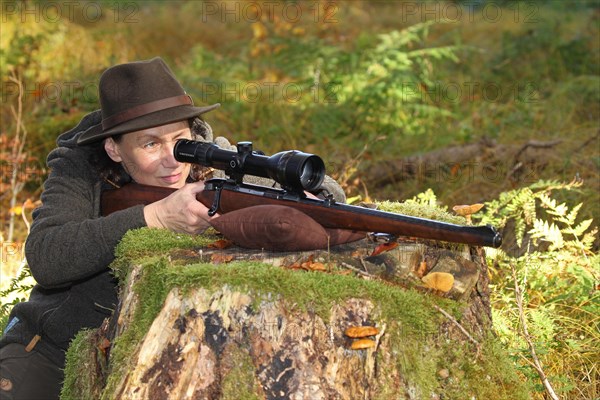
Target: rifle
296, 172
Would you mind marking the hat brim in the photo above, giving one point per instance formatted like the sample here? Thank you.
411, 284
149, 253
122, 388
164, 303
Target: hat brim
162, 117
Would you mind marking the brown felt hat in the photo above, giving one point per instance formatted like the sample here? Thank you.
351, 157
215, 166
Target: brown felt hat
140, 95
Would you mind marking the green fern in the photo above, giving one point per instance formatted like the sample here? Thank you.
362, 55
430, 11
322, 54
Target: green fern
558, 272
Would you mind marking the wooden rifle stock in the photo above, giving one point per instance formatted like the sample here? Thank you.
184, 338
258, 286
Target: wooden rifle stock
131, 194
224, 196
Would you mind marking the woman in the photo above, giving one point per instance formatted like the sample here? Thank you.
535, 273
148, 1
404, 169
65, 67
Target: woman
144, 111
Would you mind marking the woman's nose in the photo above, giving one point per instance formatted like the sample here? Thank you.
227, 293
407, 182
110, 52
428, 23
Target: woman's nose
168, 157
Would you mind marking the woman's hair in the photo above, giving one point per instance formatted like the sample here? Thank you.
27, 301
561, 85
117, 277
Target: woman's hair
114, 173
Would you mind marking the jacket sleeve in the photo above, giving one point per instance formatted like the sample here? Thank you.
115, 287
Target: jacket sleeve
68, 240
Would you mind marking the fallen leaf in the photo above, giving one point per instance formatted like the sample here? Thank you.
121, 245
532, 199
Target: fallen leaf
220, 244
362, 344
221, 258
384, 247
361, 331
442, 281
295, 265
315, 266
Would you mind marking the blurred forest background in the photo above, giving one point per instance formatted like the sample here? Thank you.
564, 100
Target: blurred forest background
448, 103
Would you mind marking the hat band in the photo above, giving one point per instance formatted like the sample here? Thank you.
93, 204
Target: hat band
144, 109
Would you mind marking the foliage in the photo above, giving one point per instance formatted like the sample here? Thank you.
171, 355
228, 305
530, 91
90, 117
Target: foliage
384, 87
16, 292
558, 272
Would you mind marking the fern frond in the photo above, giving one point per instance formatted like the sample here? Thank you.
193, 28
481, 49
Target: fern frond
572, 215
579, 229
588, 239
548, 232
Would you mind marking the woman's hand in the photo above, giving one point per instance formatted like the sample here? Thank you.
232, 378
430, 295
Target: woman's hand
180, 211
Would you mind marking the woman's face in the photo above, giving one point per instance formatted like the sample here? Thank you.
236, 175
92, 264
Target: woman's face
147, 155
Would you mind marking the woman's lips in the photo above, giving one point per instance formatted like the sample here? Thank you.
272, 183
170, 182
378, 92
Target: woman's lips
171, 178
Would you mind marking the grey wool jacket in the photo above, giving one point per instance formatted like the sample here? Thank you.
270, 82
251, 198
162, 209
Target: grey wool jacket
68, 251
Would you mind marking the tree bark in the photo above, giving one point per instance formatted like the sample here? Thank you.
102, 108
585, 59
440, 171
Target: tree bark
516, 162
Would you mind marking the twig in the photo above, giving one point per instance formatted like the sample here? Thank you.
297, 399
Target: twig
27, 224
17, 151
586, 143
537, 365
458, 325
362, 262
536, 144
346, 265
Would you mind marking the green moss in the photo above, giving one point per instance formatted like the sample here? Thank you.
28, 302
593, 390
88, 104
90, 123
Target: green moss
240, 382
415, 209
81, 381
490, 374
152, 292
313, 291
146, 242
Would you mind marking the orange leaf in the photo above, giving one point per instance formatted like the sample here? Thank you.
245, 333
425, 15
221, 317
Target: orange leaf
357, 253
104, 343
295, 265
455, 169
220, 244
384, 247
221, 258
317, 266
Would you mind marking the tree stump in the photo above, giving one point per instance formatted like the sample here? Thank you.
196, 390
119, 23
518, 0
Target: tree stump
203, 322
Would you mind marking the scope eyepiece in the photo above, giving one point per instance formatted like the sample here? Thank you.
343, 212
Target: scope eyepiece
293, 170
